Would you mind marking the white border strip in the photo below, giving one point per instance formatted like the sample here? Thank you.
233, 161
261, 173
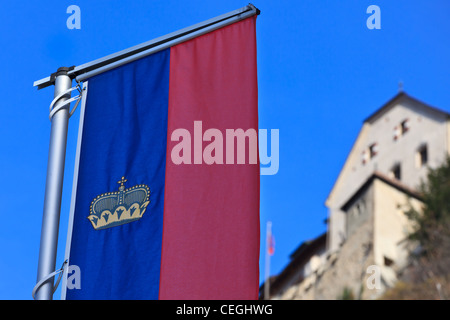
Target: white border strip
74, 191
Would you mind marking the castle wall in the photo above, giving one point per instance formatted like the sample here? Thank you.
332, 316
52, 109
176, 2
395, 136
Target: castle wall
423, 127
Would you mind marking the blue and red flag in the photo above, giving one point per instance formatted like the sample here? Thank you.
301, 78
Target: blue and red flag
144, 227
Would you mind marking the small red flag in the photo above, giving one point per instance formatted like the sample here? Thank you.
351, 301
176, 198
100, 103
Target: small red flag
271, 246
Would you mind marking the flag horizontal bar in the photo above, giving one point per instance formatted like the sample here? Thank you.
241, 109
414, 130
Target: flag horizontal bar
111, 61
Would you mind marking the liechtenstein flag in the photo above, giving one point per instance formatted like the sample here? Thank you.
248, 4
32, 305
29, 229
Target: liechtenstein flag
164, 206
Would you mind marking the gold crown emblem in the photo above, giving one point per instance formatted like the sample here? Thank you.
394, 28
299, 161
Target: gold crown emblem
115, 208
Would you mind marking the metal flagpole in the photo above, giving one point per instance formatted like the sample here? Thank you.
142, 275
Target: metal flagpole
267, 268
60, 114
95, 67
54, 184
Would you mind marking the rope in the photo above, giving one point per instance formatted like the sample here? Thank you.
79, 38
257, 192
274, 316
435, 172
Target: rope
51, 275
54, 109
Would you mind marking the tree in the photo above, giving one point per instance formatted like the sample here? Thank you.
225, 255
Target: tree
435, 216
431, 264
347, 294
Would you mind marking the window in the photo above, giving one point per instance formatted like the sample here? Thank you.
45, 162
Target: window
373, 150
369, 153
356, 210
404, 126
364, 157
396, 172
422, 156
397, 132
401, 129
388, 262
360, 207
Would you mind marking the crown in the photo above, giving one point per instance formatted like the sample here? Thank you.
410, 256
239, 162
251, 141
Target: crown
115, 208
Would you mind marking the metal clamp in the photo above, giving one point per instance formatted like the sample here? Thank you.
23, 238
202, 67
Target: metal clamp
54, 109
45, 279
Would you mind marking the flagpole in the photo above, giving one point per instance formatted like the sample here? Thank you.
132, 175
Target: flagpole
60, 114
104, 64
54, 184
267, 268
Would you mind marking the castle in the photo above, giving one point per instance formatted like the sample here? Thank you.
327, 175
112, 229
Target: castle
367, 226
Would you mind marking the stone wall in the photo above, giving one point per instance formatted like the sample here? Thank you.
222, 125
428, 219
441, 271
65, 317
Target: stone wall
347, 268
343, 269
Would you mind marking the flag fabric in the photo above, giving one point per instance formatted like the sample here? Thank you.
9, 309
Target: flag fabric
271, 245
144, 227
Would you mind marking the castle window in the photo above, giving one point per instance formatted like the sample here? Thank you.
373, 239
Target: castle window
404, 126
422, 156
369, 153
358, 209
388, 262
373, 150
364, 157
396, 172
397, 132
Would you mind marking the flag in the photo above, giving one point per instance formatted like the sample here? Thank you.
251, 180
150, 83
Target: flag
145, 225
271, 245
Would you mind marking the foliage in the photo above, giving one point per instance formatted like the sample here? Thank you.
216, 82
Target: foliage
347, 294
428, 275
430, 289
434, 219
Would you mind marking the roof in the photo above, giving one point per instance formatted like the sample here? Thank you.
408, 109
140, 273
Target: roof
306, 247
300, 256
373, 117
392, 182
388, 105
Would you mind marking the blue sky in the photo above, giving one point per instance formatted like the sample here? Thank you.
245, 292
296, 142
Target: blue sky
321, 71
